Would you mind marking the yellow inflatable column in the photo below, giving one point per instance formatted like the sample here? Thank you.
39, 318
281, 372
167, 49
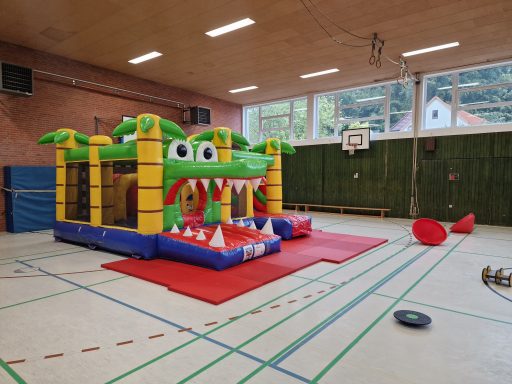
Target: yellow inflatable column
274, 179
60, 183
150, 170
95, 179
222, 141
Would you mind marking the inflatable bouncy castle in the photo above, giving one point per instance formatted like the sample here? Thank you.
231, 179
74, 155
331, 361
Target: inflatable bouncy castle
205, 199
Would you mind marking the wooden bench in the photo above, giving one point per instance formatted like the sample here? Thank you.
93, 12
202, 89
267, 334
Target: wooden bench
341, 208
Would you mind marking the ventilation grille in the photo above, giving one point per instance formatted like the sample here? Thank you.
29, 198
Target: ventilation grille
200, 116
16, 79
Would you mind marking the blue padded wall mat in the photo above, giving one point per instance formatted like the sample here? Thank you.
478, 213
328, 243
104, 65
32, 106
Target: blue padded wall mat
29, 198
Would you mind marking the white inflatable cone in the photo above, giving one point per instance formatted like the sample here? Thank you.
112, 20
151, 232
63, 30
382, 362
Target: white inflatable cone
187, 233
252, 226
217, 240
200, 235
268, 229
175, 229
240, 223
229, 221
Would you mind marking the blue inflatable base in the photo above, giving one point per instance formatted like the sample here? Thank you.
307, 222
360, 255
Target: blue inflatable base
157, 246
125, 242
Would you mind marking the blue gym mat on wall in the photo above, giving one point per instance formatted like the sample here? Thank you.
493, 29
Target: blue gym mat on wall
29, 198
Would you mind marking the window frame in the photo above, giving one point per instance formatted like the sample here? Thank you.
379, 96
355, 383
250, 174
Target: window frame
385, 100
261, 119
455, 106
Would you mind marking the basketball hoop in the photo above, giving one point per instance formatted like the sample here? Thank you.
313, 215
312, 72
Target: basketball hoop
353, 147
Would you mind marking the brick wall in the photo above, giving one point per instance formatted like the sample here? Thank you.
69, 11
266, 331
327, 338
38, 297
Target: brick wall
56, 105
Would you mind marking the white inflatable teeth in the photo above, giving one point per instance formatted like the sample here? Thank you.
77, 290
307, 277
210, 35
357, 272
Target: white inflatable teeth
268, 229
253, 226
240, 223
200, 235
219, 183
187, 233
175, 229
217, 240
239, 184
205, 183
192, 183
255, 183
229, 221
229, 182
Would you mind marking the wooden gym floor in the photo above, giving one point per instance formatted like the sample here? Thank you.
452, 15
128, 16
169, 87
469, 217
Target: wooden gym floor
327, 323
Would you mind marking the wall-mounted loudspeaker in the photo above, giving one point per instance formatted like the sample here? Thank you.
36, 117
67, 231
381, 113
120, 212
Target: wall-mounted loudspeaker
200, 116
16, 79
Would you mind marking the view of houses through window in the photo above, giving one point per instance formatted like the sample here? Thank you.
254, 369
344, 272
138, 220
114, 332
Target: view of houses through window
469, 98
475, 97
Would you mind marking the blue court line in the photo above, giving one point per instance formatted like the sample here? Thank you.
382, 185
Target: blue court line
496, 292
340, 314
175, 325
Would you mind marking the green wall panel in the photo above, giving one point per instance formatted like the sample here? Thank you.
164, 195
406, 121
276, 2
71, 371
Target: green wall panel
324, 174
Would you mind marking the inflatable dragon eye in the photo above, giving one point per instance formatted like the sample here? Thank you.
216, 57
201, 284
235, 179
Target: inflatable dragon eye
206, 151
180, 150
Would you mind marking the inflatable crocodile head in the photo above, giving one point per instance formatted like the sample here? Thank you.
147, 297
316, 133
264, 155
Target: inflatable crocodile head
204, 165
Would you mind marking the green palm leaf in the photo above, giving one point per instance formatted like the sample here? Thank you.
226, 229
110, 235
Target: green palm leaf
47, 138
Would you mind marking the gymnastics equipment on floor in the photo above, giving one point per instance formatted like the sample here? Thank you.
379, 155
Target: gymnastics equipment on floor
412, 318
164, 195
464, 225
499, 277
29, 200
429, 232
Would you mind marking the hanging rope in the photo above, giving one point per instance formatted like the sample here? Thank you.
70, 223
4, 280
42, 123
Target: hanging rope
328, 33
336, 25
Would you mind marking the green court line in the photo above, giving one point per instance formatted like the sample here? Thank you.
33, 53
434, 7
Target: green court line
38, 253
61, 293
489, 238
318, 281
11, 372
446, 309
171, 351
333, 315
484, 254
384, 229
330, 225
275, 325
354, 342
47, 257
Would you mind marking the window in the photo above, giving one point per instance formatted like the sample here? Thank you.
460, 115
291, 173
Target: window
480, 97
286, 120
435, 114
382, 108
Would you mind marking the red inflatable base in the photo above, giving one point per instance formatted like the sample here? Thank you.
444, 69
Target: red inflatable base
216, 287
464, 225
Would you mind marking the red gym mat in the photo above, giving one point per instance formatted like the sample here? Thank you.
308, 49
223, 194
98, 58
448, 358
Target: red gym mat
216, 287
